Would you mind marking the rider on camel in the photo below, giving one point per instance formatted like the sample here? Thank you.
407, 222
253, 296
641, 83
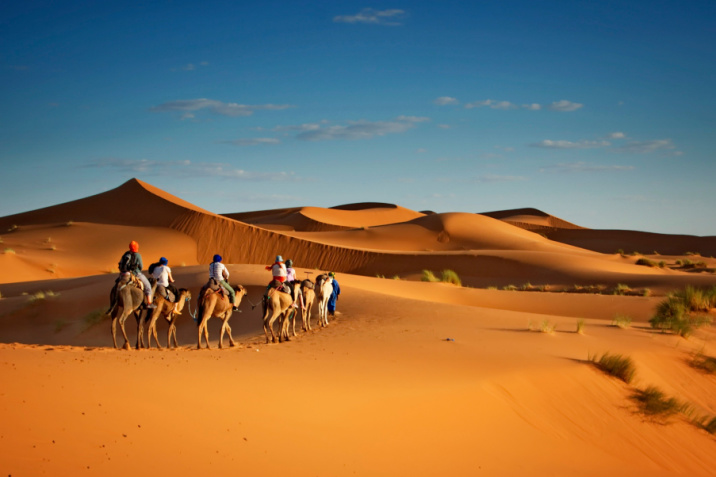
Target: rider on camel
218, 272
131, 262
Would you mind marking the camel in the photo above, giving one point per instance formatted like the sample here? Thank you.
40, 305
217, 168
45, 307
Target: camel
309, 296
324, 289
166, 309
213, 303
127, 297
278, 305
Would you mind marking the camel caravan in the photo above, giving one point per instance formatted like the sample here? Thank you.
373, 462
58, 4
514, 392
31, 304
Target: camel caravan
148, 299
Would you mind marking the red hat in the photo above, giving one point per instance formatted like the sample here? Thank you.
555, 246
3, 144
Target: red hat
133, 246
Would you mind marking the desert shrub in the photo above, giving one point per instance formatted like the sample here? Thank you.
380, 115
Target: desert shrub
654, 403
693, 253
685, 262
60, 325
646, 292
93, 318
580, 326
621, 289
547, 327
509, 288
396, 277
449, 276
662, 264
12, 228
646, 262
675, 314
616, 365
69, 223
621, 321
710, 297
704, 363
429, 276
492, 288
9, 250
527, 286
709, 425
379, 276
621, 252
668, 311
635, 253
695, 299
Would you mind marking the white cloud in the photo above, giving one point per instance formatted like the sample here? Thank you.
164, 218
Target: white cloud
371, 16
188, 169
444, 126
492, 104
647, 147
487, 178
189, 106
617, 135
561, 144
254, 141
445, 100
413, 119
565, 106
532, 107
299, 127
356, 130
572, 167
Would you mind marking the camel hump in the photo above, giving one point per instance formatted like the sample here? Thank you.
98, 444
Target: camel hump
307, 284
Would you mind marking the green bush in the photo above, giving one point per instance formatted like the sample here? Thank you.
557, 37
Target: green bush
449, 276
646, 262
621, 321
681, 312
429, 276
616, 365
621, 289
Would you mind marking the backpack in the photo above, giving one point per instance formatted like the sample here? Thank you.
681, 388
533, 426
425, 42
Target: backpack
152, 267
127, 263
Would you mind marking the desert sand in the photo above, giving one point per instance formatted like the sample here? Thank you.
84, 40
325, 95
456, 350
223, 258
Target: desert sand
410, 377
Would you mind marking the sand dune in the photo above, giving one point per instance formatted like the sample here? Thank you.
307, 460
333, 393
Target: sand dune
316, 219
610, 241
531, 219
411, 377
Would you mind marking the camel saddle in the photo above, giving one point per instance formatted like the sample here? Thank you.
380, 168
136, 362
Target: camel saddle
307, 284
280, 286
129, 279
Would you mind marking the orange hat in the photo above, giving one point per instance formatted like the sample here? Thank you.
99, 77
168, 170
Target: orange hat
133, 246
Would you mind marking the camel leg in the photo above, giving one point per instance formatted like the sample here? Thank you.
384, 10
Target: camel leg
266, 324
293, 320
152, 329
122, 319
231, 338
114, 331
174, 333
140, 329
170, 333
271, 322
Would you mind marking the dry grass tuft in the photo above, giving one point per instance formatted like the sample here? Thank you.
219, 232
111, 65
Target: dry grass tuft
621, 367
429, 276
654, 403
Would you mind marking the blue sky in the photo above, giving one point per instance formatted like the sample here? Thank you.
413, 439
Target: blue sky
602, 114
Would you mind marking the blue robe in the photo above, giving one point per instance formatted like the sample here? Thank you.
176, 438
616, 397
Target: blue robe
334, 297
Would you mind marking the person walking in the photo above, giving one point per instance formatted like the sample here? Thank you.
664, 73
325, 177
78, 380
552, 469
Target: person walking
334, 296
